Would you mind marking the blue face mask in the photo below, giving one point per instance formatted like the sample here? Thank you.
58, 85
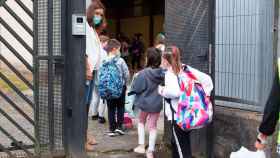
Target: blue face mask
97, 20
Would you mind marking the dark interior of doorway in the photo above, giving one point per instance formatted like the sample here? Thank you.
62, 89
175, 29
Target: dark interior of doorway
127, 18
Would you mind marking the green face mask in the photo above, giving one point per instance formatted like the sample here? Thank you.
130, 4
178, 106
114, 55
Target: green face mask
97, 20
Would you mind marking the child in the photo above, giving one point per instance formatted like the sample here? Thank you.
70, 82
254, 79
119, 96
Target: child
116, 105
97, 108
171, 60
148, 100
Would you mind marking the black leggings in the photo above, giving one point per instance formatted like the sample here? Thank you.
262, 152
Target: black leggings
180, 142
116, 106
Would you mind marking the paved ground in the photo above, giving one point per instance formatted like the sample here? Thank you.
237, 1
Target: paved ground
117, 147
121, 146
9, 127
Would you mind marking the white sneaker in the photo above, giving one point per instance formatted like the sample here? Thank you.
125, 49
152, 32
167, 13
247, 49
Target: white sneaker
140, 149
119, 131
150, 154
112, 134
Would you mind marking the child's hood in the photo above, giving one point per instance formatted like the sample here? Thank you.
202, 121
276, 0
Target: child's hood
155, 75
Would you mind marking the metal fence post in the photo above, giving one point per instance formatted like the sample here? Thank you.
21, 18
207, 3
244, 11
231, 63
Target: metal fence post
75, 110
210, 129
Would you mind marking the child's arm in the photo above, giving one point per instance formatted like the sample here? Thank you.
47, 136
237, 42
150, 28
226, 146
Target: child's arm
138, 85
125, 71
204, 79
89, 75
171, 88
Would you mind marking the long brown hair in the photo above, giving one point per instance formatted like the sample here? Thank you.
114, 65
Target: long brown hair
96, 4
173, 57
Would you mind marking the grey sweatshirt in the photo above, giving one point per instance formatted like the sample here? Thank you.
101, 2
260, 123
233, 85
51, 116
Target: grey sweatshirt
145, 86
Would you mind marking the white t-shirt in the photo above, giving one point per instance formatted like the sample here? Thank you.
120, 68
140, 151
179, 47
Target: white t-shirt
94, 48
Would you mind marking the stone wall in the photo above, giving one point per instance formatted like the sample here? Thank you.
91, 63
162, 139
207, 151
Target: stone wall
233, 128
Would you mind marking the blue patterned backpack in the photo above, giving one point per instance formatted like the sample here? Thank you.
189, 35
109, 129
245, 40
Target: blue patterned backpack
110, 80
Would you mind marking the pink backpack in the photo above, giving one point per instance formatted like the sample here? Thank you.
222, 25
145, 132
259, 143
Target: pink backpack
194, 107
127, 121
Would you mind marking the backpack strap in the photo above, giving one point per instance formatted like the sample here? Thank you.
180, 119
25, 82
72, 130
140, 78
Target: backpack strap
187, 70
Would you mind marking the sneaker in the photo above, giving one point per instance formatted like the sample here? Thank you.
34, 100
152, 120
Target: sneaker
150, 154
140, 149
101, 120
119, 131
112, 134
94, 117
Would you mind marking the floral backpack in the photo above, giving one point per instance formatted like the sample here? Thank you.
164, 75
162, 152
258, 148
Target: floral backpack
194, 107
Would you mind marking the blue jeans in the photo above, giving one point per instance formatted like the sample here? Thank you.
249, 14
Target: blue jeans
89, 91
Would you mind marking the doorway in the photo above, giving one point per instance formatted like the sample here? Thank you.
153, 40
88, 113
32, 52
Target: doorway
125, 19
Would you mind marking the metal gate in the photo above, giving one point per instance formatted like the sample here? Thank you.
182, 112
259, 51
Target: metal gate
189, 24
36, 130
17, 138
59, 79
57, 103
48, 73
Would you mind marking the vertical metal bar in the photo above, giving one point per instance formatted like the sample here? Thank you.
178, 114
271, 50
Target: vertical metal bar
235, 48
50, 75
75, 84
63, 53
257, 55
223, 48
36, 77
230, 45
250, 58
244, 52
211, 34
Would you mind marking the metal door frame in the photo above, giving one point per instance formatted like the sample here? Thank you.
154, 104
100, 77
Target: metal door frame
75, 107
72, 64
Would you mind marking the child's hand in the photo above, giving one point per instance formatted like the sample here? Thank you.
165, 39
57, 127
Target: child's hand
259, 146
261, 142
160, 90
89, 75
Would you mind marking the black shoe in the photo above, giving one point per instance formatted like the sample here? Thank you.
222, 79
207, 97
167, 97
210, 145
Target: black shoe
101, 120
94, 117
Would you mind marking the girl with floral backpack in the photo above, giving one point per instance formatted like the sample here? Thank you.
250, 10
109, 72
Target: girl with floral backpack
176, 93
